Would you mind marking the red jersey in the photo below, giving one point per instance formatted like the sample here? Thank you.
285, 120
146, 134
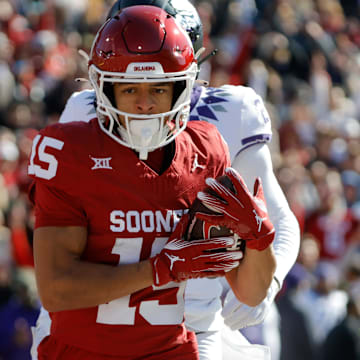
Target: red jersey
85, 178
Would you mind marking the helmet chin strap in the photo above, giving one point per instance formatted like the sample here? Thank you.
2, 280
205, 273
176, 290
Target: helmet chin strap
143, 134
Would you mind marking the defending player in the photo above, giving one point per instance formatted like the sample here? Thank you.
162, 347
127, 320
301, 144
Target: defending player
101, 201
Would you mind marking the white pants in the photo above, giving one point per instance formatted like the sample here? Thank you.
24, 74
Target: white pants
210, 346
236, 347
229, 345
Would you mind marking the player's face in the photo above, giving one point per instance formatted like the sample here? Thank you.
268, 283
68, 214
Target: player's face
143, 98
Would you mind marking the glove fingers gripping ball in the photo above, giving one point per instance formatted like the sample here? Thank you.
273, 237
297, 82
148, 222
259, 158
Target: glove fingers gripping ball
200, 229
239, 210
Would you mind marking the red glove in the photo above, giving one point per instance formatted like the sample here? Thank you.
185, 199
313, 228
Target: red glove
245, 214
180, 260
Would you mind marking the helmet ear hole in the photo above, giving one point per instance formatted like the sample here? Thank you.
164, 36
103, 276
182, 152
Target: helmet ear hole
179, 87
109, 93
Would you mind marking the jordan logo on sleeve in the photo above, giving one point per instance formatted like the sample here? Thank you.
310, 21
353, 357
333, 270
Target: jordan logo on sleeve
196, 164
101, 163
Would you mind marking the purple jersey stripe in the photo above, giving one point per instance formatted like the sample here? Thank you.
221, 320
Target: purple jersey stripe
253, 140
256, 138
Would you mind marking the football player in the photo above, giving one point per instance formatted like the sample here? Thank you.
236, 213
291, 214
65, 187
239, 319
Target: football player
109, 192
239, 114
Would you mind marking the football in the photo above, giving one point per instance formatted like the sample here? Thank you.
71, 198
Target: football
198, 229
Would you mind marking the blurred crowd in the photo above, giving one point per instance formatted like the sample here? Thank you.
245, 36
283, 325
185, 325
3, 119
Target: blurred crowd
302, 57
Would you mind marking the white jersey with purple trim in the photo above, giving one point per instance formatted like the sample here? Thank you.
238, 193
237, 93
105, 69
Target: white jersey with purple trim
237, 111
79, 107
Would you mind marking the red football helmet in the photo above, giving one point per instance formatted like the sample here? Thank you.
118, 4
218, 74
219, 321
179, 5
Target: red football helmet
142, 44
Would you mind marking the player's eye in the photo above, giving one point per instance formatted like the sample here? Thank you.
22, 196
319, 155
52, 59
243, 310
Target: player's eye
129, 90
160, 90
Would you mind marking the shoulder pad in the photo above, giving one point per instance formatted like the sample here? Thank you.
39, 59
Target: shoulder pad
238, 113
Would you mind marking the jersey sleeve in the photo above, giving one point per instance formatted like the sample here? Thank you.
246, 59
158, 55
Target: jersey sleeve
255, 124
79, 107
53, 191
54, 207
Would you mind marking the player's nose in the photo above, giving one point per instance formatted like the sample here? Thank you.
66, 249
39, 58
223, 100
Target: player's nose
145, 104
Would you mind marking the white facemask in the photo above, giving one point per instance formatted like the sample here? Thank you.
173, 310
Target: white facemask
144, 126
